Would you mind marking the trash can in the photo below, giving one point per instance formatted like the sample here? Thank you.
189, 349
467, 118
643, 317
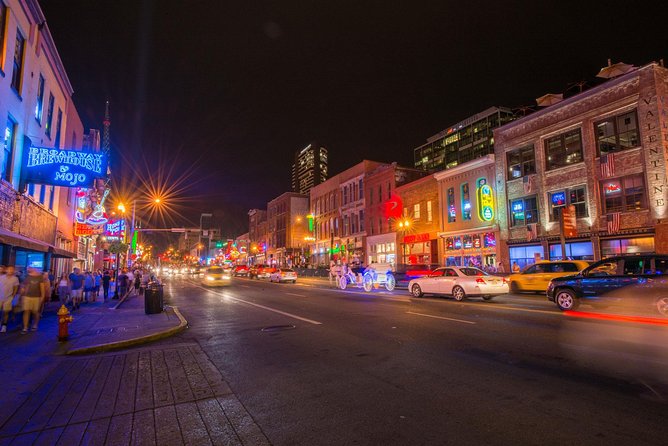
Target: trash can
153, 298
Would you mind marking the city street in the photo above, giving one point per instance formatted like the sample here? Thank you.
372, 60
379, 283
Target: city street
322, 366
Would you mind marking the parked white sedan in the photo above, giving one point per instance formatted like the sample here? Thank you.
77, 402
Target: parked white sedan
283, 275
459, 282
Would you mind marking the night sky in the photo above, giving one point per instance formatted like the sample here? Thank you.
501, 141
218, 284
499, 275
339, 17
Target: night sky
226, 91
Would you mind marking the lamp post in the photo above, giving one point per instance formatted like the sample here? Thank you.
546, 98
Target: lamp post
403, 225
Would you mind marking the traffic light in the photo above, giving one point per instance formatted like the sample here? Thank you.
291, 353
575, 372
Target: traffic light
219, 244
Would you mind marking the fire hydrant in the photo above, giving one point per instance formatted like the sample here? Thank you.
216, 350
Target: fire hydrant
64, 320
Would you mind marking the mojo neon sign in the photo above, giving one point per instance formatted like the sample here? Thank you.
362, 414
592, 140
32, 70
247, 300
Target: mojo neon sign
67, 168
485, 200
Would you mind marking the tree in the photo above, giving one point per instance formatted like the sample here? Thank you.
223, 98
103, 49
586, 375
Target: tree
118, 248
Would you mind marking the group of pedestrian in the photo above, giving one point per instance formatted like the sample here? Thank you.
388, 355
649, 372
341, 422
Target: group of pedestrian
28, 296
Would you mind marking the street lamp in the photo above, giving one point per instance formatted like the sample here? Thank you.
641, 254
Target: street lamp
403, 224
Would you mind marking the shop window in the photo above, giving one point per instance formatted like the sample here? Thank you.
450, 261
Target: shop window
466, 202
574, 251
521, 162
452, 212
489, 240
624, 194
563, 150
617, 133
525, 255
640, 245
576, 196
524, 211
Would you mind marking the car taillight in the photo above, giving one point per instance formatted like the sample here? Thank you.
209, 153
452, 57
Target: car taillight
506, 280
480, 280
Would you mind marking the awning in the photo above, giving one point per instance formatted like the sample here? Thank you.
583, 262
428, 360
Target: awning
11, 238
61, 253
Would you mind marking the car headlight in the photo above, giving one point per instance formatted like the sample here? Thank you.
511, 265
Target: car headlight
209, 278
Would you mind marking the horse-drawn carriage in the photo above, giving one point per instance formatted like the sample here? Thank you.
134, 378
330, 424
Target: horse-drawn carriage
373, 276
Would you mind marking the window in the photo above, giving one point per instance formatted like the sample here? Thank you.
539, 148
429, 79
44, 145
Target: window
617, 133
627, 246
17, 74
624, 194
42, 193
429, 214
389, 191
576, 196
8, 149
563, 150
361, 221
360, 189
523, 211
59, 121
49, 115
466, 202
39, 106
452, 212
521, 162
380, 194
416, 211
3, 22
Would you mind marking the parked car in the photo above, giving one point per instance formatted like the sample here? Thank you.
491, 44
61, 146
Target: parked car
631, 279
260, 271
283, 275
216, 276
403, 273
536, 277
240, 270
459, 282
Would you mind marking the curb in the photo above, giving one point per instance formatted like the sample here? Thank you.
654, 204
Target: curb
183, 324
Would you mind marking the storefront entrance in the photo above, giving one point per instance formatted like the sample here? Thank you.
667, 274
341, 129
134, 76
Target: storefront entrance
574, 251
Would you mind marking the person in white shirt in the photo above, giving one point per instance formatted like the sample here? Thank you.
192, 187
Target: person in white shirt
9, 286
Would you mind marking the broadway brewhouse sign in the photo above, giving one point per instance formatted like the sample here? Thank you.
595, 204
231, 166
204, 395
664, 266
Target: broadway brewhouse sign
67, 168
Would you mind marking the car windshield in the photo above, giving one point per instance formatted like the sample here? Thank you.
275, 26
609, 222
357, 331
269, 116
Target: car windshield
287, 271
473, 272
214, 270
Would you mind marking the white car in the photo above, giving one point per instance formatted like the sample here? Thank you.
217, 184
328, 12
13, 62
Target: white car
459, 282
283, 275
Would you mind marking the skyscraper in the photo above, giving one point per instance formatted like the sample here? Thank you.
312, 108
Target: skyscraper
309, 168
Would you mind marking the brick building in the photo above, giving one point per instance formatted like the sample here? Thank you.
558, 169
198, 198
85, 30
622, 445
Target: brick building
603, 152
257, 234
287, 226
384, 211
469, 228
418, 244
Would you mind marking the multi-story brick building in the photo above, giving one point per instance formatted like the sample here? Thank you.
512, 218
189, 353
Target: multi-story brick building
418, 242
384, 211
257, 226
469, 228
287, 226
603, 152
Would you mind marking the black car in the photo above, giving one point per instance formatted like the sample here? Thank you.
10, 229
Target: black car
405, 273
639, 281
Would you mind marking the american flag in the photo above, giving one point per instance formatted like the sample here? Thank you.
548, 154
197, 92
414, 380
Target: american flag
613, 222
532, 231
608, 165
527, 183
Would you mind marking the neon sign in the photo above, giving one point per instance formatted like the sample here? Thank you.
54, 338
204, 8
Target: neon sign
485, 200
66, 168
559, 198
612, 188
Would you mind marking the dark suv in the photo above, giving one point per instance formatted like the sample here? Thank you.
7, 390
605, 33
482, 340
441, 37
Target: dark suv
640, 280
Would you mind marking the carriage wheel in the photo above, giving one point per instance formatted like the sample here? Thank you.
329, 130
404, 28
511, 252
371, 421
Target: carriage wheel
343, 282
367, 282
390, 282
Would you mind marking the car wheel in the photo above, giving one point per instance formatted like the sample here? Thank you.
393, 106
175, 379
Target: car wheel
565, 299
458, 293
416, 291
514, 288
662, 306
487, 297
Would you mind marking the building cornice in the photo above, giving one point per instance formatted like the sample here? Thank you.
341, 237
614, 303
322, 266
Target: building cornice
474, 164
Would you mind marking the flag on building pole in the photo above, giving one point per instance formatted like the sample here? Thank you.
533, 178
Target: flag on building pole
613, 222
532, 231
608, 165
527, 183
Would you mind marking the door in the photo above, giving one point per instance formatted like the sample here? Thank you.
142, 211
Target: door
429, 284
533, 277
448, 281
602, 278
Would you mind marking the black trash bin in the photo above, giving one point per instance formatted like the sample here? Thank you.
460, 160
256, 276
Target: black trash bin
153, 298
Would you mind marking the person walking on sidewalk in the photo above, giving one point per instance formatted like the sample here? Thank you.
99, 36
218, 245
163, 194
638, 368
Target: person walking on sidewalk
131, 279
76, 287
9, 286
47, 292
63, 289
97, 278
89, 285
122, 283
106, 280
33, 293
137, 282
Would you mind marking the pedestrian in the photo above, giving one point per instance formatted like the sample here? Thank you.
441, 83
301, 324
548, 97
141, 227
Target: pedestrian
9, 286
137, 282
500, 269
76, 287
97, 277
63, 290
131, 279
47, 292
89, 285
122, 283
516, 268
33, 294
106, 279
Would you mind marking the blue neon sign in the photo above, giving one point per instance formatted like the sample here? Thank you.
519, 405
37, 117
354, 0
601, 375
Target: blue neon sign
67, 168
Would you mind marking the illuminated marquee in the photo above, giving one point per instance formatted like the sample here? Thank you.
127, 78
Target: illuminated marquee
485, 200
66, 168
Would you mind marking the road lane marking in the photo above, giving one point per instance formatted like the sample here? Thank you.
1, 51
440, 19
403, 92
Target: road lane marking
294, 316
441, 317
298, 295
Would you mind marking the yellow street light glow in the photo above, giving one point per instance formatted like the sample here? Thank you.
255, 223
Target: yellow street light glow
121, 207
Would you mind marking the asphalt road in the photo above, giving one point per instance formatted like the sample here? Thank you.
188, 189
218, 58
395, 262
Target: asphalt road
318, 366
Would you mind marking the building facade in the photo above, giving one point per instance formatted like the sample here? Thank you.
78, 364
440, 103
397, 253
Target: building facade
469, 224
287, 224
419, 240
602, 154
257, 228
384, 211
309, 168
467, 140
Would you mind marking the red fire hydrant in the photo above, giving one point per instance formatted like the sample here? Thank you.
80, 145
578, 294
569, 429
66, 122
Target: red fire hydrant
64, 320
